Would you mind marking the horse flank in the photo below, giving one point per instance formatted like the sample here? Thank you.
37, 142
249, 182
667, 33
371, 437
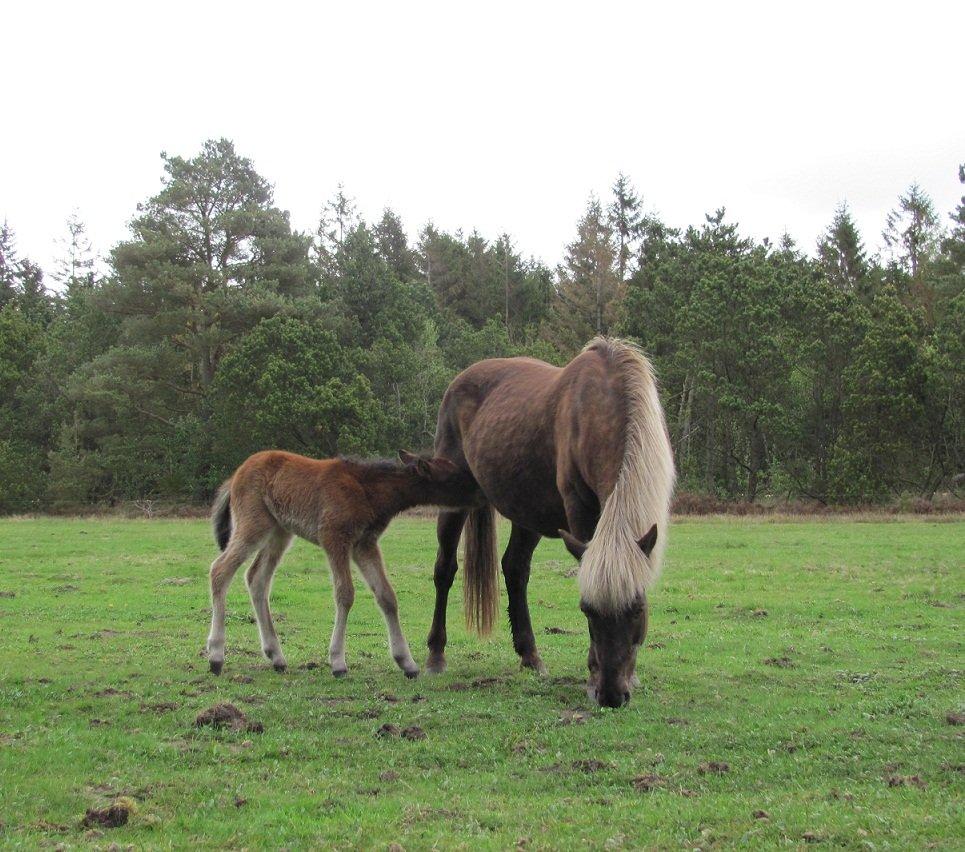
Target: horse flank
614, 570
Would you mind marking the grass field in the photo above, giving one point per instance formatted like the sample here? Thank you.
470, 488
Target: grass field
806, 670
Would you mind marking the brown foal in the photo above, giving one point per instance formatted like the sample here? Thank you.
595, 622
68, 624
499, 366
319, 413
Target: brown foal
340, 504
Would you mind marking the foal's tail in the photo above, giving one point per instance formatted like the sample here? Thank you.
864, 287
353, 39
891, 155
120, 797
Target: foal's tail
221, 515
480, 587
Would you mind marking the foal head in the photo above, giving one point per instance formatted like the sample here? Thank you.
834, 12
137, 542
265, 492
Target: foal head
616, 634
440, 481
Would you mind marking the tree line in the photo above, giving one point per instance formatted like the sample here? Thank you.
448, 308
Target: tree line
218, 330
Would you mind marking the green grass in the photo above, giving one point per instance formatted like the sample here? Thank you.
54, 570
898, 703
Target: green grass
867, 615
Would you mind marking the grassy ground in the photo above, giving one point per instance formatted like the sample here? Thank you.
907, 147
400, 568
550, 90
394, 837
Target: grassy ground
817, 661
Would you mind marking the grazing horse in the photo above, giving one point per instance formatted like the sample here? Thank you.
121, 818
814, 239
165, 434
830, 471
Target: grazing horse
579, 452
341, 504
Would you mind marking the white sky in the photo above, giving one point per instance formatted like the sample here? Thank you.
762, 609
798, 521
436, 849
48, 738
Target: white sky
498, 116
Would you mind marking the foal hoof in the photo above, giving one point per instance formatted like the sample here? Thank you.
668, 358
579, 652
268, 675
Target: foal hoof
411, 674
281, 668
216, 666
339, 672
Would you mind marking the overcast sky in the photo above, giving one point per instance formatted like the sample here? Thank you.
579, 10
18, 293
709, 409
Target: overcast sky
498, 116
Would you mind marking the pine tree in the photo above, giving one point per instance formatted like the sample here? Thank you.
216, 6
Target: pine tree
589, 285
950, 267
8, 264
393, 246
339, 217
841, 253
625, 220
75, 266
912, 230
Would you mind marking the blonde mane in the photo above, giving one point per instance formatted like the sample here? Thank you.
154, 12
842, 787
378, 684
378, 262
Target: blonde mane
614, 570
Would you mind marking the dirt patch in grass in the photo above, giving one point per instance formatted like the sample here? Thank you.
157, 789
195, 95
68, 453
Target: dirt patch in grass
649, 782
590, 765
906, 781
113, 816
413, 733
111, 692
953, 717
575, 717
559, 631
779, 662
8, 594
160, 707
226, 715
713, 767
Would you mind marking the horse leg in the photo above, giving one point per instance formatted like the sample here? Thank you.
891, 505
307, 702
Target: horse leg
222, 571
448, 529
516, 566
368, 557
259, 578
344, 591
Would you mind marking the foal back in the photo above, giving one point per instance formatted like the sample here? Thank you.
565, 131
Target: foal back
310, 498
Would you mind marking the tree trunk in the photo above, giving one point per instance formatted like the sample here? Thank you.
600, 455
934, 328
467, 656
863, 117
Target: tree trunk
756, 442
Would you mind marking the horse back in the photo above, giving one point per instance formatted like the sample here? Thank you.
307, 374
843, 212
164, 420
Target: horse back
528, 431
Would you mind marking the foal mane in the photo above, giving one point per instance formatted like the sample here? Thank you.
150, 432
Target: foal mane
614, 571
372, 466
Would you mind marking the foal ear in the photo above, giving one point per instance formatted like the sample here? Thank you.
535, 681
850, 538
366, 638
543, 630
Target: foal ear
417, 463
648, 541
576, 547
440, 468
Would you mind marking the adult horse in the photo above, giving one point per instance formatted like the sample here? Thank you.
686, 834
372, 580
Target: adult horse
579, 452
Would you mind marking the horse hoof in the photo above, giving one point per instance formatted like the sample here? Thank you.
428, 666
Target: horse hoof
339, 672
216, 666
281, 668
411, 674
536, 664
436, 665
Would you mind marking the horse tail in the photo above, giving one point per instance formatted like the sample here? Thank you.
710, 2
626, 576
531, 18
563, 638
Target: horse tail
221, 515
480, 587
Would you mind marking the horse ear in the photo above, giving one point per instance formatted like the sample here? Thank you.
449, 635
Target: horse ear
648, 541
576, 547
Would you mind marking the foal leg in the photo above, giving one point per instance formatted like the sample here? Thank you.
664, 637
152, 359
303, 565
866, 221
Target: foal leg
344, 591
516, 566
369, 559
259, 578
222, 571
448, 529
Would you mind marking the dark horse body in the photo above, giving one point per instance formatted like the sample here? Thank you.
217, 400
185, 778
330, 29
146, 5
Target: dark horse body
549, 448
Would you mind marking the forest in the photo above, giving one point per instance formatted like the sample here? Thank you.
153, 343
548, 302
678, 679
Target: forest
830, 375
